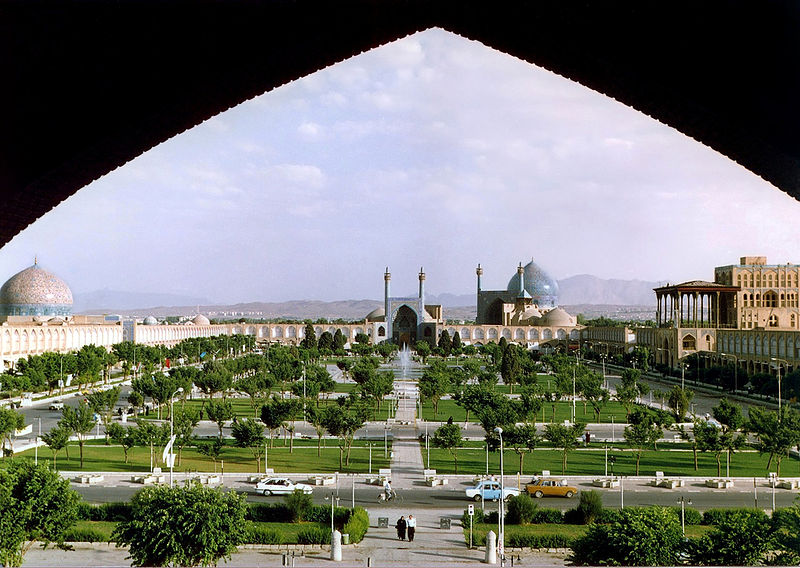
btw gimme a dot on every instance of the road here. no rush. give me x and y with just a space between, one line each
451 499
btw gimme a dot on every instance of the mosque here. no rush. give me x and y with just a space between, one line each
526 312
36 317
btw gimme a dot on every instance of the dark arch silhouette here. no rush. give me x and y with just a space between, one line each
90 84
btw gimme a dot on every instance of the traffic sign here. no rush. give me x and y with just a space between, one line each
470 509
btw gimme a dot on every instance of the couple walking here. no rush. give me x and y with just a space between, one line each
404 524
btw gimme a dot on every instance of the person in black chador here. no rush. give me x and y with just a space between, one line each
401 528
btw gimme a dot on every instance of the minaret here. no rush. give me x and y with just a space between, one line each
422 286
479 272
387 277
521 274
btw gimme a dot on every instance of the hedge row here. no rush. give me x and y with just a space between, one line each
606 516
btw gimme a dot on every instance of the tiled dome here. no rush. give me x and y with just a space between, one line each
35 292
540 285
150 320
378 314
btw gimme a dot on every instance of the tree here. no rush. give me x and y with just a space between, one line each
445 343
273 415
79 420
122 436
474 398
10 422
522 439
211 449
776 434
423 349
591 387
325 344
448 437
642 536
255 386
565 438
185 421
310 339
343 422
377 387
219 411
151 435
434 384
103 402
339 340
641 432
183 526
56 439
37 506
457 345
510 367
679 400
249 433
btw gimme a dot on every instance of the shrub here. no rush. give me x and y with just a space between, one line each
115 512
259 534
299 505
357 525
85 511
322 514
690 516
744 537
86 534
268 513
608 516
718 516
521 510
552 516
589 507
642 536
314 535
539 541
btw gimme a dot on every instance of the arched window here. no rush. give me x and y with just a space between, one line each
793 320
773 321
689 343
427 332
381 331
770 299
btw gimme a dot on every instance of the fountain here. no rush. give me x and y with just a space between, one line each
405 360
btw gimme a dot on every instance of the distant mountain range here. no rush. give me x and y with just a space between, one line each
584 293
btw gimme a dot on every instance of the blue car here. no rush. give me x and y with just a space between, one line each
489 490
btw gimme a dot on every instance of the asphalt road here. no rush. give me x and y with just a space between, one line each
452 497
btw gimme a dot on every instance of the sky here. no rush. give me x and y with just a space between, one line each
433 151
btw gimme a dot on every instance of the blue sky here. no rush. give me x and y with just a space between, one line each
432 151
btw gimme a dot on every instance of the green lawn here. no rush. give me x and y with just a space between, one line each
563 412
304 459
591 462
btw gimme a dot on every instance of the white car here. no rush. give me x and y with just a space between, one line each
281 486
56 405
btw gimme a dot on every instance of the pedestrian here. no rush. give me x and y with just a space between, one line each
401 528
411 524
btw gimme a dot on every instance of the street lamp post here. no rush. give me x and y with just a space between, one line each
171 455
779 361
501 520
683 513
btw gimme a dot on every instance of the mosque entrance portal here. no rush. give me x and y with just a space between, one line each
404 327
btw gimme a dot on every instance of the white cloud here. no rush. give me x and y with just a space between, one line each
310 131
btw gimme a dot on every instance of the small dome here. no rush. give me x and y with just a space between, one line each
150 320
559 317
35 292
378 314
200 319
530 315
540 285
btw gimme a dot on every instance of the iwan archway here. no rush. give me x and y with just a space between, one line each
93 84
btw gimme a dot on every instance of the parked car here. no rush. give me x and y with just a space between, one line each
544 487
281 486
56 405
490 490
